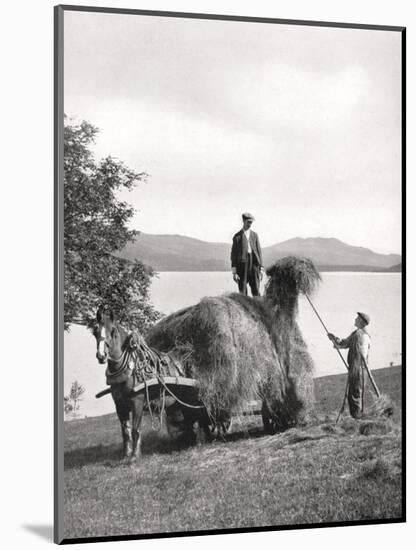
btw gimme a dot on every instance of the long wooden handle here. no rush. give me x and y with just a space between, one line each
370 376
327 331
344 401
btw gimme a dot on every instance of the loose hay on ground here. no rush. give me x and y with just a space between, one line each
383 406
375 427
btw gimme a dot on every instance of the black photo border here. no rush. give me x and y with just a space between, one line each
59 11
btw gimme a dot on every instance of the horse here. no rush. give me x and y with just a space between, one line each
115 346
131 361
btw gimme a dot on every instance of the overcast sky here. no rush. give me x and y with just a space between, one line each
298 125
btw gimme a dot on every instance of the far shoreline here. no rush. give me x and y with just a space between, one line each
329 269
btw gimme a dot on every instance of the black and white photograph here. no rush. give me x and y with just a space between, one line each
230 274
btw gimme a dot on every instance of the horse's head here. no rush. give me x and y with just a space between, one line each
109 336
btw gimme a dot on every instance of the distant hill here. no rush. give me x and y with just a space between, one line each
330 252
180 253
397 268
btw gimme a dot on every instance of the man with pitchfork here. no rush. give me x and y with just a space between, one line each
358 344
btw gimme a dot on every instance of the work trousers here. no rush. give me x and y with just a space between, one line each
356 391
249 272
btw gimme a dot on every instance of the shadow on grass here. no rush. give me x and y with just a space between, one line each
153 443
112 455
159 443
98 454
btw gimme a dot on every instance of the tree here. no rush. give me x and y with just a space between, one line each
76 391
67 405
95 231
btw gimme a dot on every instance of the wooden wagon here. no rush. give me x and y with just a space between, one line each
179 395
181 392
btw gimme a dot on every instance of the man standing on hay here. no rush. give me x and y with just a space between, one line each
358 344
246 258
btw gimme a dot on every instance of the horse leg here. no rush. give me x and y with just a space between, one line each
137 408
123 414
127 438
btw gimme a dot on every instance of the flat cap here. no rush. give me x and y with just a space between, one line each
364 317
248 216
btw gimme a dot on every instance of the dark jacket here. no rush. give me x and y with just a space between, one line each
239 248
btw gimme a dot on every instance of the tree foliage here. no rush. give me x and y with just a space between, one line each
74 397
68 407
75 394
95 231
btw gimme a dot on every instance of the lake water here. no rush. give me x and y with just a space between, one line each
337 300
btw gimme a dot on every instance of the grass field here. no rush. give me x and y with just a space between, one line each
322 473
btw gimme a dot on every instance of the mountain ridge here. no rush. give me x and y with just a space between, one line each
182 253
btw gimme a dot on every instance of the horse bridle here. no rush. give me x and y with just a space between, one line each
118 364
101 339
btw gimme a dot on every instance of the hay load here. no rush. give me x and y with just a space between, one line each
242 349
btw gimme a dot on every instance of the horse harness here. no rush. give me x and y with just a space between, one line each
143 363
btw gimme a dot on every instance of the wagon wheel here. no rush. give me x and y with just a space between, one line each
175 422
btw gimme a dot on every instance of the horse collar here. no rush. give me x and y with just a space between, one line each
122 365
